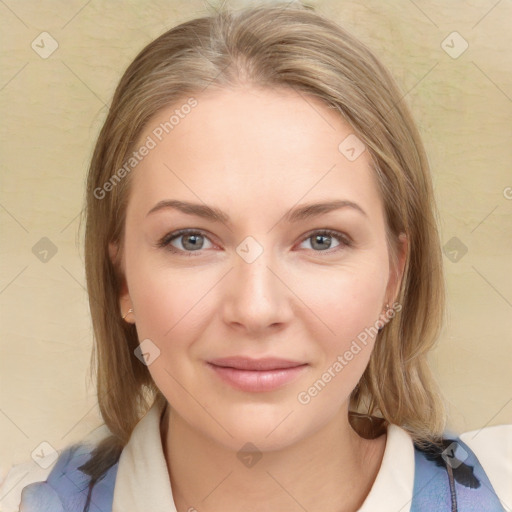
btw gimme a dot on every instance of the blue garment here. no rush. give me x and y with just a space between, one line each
445 480
66 488
452 479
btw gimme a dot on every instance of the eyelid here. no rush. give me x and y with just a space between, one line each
165 241
343 237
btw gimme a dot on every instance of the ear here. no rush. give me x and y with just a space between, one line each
396 270
125 303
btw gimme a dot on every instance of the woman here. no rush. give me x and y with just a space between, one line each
265 283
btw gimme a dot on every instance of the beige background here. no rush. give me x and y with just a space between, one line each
52 109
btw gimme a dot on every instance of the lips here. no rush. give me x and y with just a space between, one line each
244 363
257 375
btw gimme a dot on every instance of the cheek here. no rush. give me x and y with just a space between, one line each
348 303
345 300
168 303
170 311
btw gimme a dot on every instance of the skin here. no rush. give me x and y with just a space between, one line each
256 154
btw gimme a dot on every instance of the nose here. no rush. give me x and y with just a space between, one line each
255 295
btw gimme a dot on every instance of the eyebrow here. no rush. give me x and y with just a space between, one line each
214 214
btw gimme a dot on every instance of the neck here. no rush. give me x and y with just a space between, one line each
331 470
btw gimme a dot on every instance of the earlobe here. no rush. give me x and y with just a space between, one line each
396 272
113 250
397 268
402 255
126 314
125 302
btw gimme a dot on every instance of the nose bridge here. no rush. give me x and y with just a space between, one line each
256 296
252 268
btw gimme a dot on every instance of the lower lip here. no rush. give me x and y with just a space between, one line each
258 380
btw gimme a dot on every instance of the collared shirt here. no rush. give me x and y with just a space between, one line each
142 482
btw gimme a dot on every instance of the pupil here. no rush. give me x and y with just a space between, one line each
318 238
193 240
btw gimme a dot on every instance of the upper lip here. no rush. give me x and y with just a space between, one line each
245 363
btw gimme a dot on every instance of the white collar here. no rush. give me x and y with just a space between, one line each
392 489
143 482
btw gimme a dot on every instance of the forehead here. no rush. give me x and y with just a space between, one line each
251 147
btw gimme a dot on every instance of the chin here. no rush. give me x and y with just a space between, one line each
268 427
247 435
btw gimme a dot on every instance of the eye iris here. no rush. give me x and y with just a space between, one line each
196 243
318 238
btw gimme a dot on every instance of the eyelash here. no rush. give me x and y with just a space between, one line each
165 242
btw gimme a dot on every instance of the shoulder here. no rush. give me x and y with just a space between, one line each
493 448
63 482
67 488
61 487
473 469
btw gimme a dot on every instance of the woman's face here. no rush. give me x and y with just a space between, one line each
260 278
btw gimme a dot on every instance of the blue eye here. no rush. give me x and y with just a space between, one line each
322 240
192 241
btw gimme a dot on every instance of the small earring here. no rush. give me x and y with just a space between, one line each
127 313
387 309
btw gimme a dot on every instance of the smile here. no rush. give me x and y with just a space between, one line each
257 380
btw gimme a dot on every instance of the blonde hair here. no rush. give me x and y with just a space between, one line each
273 46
